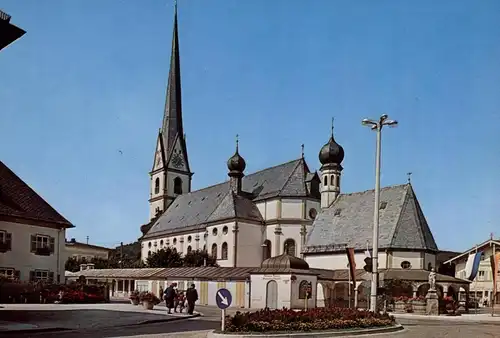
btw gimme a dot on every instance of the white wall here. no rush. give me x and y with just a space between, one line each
339 261
21 258
249 245
259 289
415 259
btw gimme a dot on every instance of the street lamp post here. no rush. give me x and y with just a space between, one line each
8 32
376 125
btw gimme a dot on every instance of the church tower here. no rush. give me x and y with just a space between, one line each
331 156
170 175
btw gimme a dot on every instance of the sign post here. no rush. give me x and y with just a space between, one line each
223 298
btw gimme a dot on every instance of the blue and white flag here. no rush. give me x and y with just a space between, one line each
472 265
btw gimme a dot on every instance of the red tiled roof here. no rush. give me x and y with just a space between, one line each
18 200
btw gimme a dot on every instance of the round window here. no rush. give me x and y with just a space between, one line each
313 213
214 232
189 239
405 265
175 241
225 230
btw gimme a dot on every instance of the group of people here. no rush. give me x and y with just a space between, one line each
176 299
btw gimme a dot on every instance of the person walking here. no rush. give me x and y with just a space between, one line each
192 297
169 297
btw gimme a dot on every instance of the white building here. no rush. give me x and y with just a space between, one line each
32 233
80 250
481 287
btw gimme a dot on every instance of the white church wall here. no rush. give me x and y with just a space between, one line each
259 290
337 261
291 231
429 258
218 235
398 257
292 208
170 182
310 204
268 209
249 252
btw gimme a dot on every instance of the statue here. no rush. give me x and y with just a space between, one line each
432 280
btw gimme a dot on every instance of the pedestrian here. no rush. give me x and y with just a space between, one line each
176 297
181 298
192 297
169 297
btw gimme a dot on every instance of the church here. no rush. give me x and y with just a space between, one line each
284 209
277 233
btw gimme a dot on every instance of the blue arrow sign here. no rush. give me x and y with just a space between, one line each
223 298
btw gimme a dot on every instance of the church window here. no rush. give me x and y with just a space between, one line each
266 248
205 247
429 266
175 241
214 232
325 183
161 242
149 245
405 265
157 185
303 286
332 180
337 181
225 230
189 249
189 239
174 250
289 247
214 251
177 186
224 251
149 253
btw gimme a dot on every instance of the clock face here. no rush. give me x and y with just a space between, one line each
177 161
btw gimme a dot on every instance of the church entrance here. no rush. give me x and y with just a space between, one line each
272 294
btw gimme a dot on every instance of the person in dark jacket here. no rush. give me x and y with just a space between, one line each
191 297
169 297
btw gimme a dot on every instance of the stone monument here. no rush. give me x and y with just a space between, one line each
432 297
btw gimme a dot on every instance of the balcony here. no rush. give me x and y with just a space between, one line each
43 251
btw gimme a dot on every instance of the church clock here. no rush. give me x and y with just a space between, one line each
177 161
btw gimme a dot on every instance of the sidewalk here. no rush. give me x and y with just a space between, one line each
479 318
60 317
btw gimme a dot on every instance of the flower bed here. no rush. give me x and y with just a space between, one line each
315 319
148 300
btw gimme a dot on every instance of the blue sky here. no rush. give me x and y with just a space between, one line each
89 79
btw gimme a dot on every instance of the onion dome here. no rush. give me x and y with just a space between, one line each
236 164
332 152
285 262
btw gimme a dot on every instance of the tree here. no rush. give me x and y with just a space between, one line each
165 258
198 258
73 263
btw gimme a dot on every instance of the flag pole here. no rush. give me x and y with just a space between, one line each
349 273
476 303
493 294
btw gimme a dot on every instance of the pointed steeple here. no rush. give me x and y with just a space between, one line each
172 118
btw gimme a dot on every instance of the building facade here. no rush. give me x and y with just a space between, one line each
80 250
32 233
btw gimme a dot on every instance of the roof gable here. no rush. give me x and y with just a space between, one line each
349 222
193 210
235 206
17 199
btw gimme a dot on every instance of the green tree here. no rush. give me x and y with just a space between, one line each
165 258
73 263
197 258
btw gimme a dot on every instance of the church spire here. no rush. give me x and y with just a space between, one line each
172 119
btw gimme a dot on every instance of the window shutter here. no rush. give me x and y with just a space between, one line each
8 240
52 241
33 243
32 276
17 274
51 276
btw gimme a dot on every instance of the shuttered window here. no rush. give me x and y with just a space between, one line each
5 241
41 275
10 273
42 244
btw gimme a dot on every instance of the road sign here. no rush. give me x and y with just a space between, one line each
223 298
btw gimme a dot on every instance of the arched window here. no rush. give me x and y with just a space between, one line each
303 286
224 251
157 185
205 247
429 266
174 250
149 253
325 183
289 247
177 186
332 180
189 249
337 180
214 251
266 249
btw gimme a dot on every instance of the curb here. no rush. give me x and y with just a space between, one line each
449 319
166 320
324 334
35 330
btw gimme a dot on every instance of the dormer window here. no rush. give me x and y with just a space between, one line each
337 212
383 205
